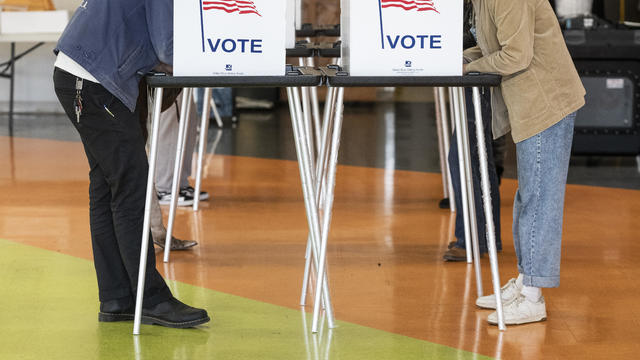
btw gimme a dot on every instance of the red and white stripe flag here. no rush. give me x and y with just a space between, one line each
408 5
231 6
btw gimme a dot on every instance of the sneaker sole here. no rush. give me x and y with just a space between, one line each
521 322
109 317
149 320
180 203
487 307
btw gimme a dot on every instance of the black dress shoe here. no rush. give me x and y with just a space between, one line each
173 313
116 310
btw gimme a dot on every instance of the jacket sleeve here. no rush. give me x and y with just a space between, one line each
515 24
159 19
473 53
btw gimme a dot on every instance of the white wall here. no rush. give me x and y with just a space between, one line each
33 84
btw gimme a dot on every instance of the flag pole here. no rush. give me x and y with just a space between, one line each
381 28
202 25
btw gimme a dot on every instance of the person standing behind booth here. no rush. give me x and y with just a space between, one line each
168 137
537 100
100 54
457 249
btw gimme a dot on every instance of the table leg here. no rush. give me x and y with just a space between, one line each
441 152
12 86
151 191
321 170
455 97
328 206
214 108
486 197
447 135
202 145
185 109
308 192
473 220
307 116
315 107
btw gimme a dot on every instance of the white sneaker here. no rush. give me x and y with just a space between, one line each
509 292
521 311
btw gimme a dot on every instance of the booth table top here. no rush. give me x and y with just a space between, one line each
337 78
295 77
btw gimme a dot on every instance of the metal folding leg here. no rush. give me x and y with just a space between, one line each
177 169
486 197
146 227
442 104
473 220
455 107
321 170
441 151
307 114
214 108
202 145
328 206
315 106
306 176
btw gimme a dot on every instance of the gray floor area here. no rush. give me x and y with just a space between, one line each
384 135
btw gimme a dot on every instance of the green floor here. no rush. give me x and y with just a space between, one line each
49 311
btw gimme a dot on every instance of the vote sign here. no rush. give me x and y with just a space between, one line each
402 37
229 38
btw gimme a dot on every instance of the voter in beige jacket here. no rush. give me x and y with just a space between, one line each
537 101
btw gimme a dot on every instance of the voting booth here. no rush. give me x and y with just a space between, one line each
229 38
402 37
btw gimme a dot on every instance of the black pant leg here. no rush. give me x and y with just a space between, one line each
113 279
115 144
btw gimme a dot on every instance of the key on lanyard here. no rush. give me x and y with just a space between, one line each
77 103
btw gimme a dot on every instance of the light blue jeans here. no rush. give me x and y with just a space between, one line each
543 163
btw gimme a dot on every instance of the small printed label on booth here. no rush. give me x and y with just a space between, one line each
229 37
615 83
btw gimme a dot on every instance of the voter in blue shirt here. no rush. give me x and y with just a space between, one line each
101 54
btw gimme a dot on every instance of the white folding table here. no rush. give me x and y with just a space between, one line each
9 66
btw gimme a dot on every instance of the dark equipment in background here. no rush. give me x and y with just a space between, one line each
605 46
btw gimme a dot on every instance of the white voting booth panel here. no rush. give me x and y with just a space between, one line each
33 22
298 14
402 37
290 32
229 38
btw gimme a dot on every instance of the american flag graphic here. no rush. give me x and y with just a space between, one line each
407 5
231 6
419 5
228 6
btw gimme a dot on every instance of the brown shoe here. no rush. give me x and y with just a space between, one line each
452 244
177 244
455 254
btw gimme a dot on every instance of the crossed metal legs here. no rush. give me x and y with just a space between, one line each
318 193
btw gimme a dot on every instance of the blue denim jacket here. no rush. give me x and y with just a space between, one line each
115 40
